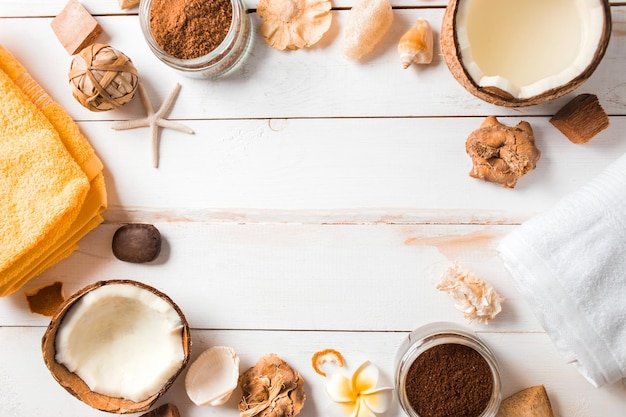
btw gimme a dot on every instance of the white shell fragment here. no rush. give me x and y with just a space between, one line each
213 376
477 299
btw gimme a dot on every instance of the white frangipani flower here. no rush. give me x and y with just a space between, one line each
358 396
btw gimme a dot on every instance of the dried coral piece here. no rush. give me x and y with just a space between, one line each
45 300
502 154
581 118
477 299
327 355
271 388
416 45
368 21
294 24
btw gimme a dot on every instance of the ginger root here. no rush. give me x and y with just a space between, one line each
502 154
271 388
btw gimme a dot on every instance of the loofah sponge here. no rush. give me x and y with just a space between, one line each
368 22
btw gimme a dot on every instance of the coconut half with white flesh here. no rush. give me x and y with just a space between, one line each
524 52
117 345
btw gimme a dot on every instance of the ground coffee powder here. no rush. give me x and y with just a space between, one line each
449 380
189 29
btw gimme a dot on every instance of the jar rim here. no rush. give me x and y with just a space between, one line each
145 9
441 333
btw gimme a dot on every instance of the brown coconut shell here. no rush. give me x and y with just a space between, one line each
76 386
452 57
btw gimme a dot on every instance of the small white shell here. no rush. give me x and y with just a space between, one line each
213 376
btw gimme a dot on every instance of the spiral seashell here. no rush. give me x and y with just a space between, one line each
416 45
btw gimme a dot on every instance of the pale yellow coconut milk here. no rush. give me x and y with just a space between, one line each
524 40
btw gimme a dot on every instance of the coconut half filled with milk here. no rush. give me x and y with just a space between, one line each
524 52
117 345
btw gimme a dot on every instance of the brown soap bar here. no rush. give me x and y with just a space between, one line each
166 410
75 27
581 119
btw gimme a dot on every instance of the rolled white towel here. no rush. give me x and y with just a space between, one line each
570 264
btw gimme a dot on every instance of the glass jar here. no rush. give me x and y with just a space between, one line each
426 337
216 63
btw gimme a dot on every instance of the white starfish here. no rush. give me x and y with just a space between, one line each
154 120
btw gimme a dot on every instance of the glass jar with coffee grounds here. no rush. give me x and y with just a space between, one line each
200 38
445 370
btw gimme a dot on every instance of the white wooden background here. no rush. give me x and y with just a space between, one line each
315 206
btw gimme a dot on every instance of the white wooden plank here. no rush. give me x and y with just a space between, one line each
525 359
107 7
412 168
318 82
305 277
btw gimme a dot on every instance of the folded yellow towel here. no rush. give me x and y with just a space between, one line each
51 184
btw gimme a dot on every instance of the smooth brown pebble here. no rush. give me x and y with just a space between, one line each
137 243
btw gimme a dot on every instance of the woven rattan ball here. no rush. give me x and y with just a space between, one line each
102 78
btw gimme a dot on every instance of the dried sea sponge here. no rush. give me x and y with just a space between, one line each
368 22
502 154
294 24
476 298
271 388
